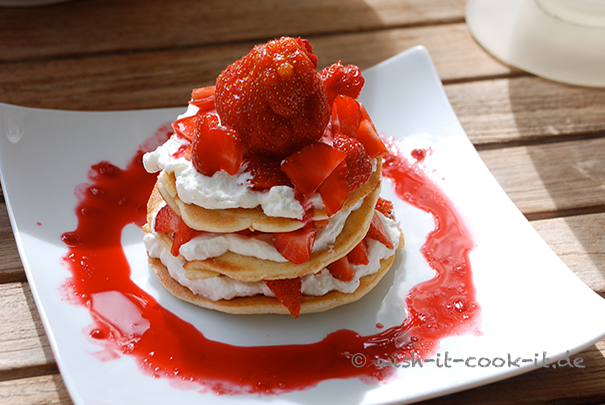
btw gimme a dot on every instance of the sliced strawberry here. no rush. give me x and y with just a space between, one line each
359 255
296 246
311 165
203 98
182 235
266 173
215 147
185 127
339 79
334 190
385 207
341 269
358 161
378 232
166 220
367 135
346 116
288 292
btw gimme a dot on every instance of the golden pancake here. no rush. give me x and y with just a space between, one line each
237 219
260 304
248 268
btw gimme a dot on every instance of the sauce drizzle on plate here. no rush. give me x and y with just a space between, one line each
129 321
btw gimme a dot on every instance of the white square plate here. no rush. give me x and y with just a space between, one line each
531 303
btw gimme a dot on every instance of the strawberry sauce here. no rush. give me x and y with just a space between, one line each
128 321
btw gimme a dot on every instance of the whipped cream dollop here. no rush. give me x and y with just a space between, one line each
222 287
222 190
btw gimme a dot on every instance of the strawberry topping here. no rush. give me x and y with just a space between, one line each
359 255
166 220
296 246
185 127
378 232
341 269
339 79
346 116
385 207
265 173
203 99
288 292
310 166
215 147
182 235
368 135
334 190
274 98
358 161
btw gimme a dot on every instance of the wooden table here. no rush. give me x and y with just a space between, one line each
543 141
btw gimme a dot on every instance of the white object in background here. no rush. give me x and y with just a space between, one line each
585 13
559 40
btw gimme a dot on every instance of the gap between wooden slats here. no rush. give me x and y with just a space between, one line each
105 27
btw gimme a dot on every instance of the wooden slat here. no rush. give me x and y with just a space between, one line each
165 78
90 27
11 268
526 109
47 390
24 347
580 242
550 180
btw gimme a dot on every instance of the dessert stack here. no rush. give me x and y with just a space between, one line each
267 198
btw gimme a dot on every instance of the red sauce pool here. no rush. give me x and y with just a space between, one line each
128 321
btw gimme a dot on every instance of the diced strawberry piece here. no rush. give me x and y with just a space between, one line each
378 232
296 246
166 220
358 161
334 190
182 235
215 147
346 116
339 79
266 173
203 98
385 207
360 254
185 127
311 165
367 135
341 269
288 292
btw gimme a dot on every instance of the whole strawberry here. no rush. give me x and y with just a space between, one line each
274 98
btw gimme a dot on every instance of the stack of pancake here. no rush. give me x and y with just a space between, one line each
248 269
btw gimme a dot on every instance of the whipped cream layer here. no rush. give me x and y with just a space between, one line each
208 245
221 191
222 287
